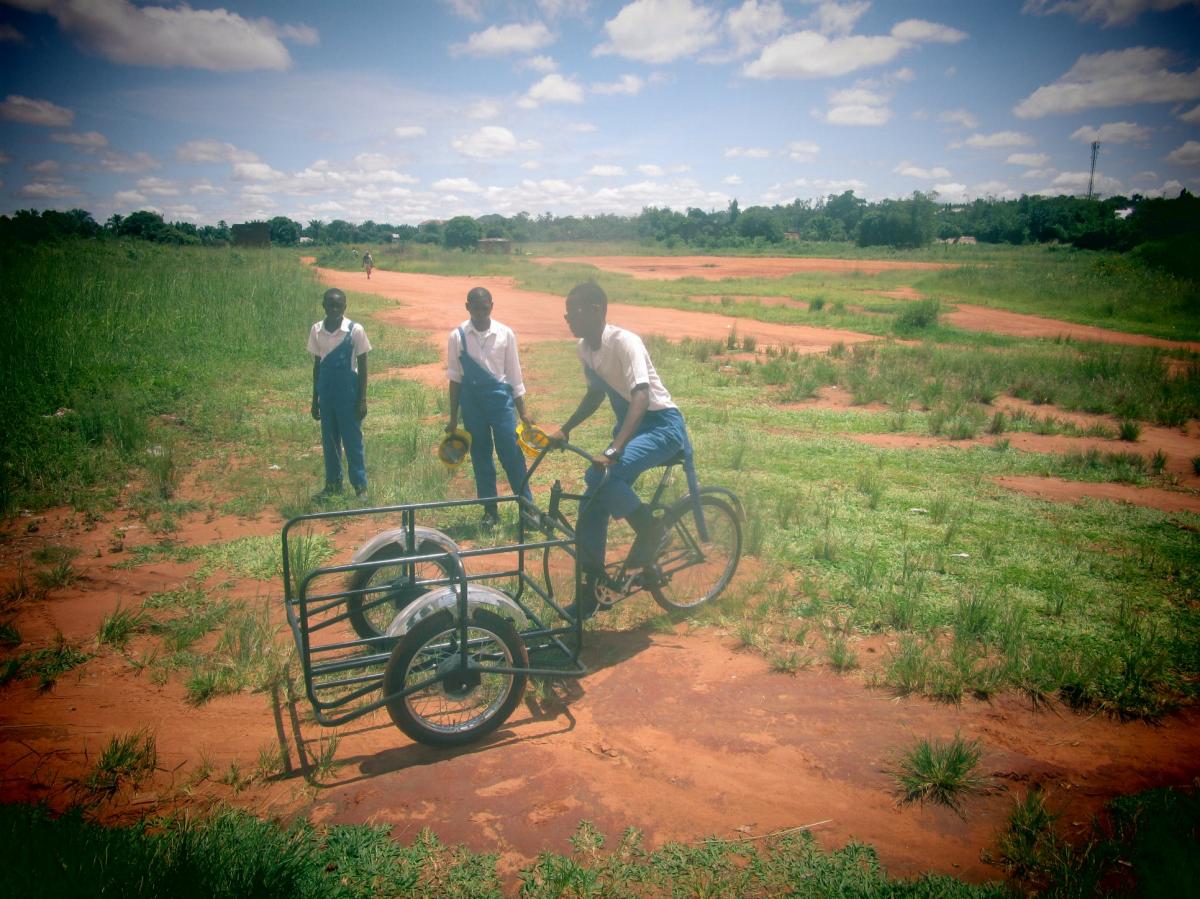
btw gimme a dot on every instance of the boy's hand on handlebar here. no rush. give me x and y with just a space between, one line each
557 437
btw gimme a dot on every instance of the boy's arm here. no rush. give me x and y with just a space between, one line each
590 403
316 405
455 389
362 386
519 402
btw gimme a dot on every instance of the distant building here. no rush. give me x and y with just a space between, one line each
791 235
500 245
965 239
252 234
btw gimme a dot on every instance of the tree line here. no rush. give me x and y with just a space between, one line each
1114 223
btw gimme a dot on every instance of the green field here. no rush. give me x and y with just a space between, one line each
138 365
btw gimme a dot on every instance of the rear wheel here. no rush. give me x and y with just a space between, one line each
456 705
692 572
371 613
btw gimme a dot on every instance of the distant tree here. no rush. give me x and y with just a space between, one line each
758 222
284 231
113 223
462 232
313 230
847 209
143 224
338 231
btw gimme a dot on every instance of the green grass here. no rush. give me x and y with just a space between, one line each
47 663
940 772
120 625
130 759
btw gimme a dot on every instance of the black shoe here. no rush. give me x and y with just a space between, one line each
585 604
489 522
330 491
646 545
360 491
533 520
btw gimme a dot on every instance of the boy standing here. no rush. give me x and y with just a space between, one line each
484 371
339 400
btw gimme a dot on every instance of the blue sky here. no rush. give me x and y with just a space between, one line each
404 111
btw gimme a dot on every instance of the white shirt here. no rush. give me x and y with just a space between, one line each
623 362
321 342
495 349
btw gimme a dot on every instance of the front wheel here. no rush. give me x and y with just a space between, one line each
692 572
456 705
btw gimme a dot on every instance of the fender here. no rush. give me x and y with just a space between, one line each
479 596
399 536
728 495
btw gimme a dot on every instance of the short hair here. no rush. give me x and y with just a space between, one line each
334 293
479 295
589 293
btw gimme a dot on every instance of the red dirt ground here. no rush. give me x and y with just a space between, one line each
678 734
715 268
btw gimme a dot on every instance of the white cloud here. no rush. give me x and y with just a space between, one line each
951 191
1170 189
45 167
858 114
531 165
462 185
182 212
997 140
916 31
16 108
204 187
653 171
406 131
581 128
87 142
501 40
1115 78
914 171
124 164
209 151
1145 176
255 171
1068 183
1192 116
483 109
857 106
807 54
958 117
1030 159
606 171
1038 173
50 190
732 179
746 153
626 84
1113 132
554 88
1187 154
491 141
1106 12
471 10
753 24
214 39
659 31
538 64
129 199
838 18
803 151
159 187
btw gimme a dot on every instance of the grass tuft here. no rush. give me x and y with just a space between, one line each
940 772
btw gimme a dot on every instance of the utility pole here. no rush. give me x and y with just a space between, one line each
1092 176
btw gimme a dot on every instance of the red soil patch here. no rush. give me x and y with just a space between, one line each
1018 324
435 303
1059 490
716 268
716 300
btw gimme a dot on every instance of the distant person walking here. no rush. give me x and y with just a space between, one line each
339 399
484 371
368 263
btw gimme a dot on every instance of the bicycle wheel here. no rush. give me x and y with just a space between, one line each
690 571
459 706
371 613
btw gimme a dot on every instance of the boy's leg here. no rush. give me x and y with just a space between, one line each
331 444
504 434
482 463
350 432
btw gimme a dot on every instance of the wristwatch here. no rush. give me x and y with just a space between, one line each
612 454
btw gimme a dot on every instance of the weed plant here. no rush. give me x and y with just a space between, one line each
940 772
120 625
125 759
47 664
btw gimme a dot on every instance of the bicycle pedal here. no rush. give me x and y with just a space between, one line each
607 597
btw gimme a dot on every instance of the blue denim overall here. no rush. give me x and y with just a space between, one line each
490 415
661 435
337 394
